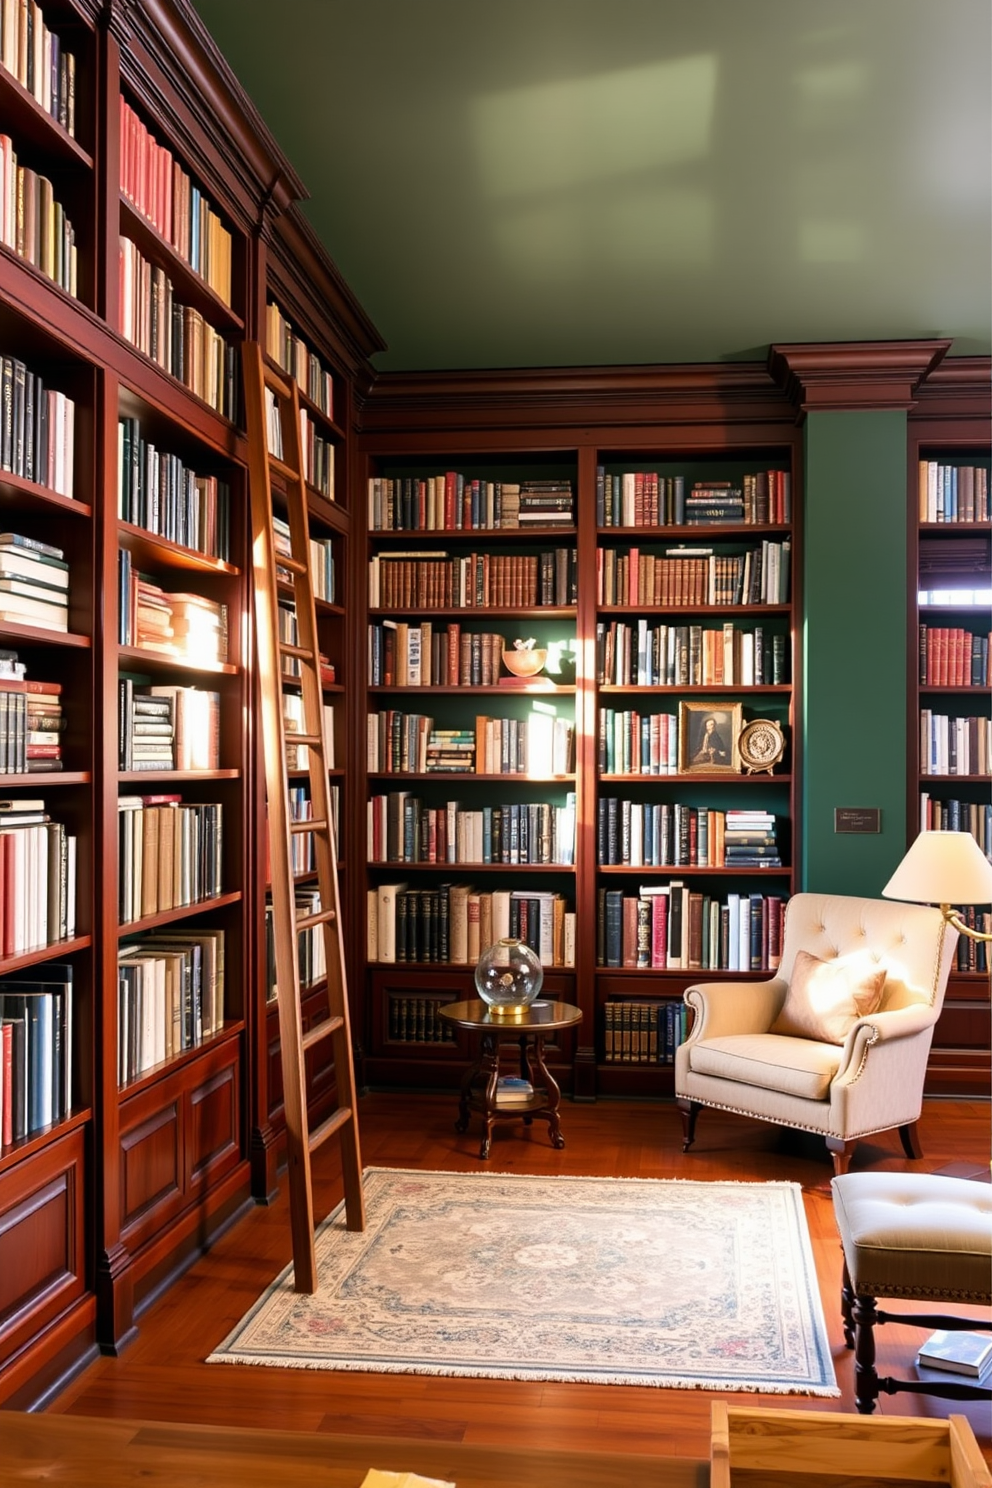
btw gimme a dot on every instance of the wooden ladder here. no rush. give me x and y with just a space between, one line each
287 925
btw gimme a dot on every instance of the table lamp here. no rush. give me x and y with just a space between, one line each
944 868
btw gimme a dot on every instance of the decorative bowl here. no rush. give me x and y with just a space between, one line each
525 663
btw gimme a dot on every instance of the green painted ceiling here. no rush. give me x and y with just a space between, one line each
552 182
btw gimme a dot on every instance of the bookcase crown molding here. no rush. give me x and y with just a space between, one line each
854 376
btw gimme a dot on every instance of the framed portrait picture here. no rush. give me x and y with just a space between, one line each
708 734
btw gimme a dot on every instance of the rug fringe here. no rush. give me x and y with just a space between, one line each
365 1366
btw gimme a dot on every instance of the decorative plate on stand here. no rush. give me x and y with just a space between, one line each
761 745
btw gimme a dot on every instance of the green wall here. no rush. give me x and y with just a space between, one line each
854 646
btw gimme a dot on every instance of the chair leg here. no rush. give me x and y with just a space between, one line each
840 1151
847 1307
909 1135
866 1389
688 1110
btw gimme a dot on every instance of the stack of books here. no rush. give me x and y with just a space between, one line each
147 730
712 503
749 840
43 727
451 751
545 503
199 627
512 1090
34 583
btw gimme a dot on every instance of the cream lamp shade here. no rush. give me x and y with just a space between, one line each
942 868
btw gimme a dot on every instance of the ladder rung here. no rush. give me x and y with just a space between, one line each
321 1032
300 652
334 1122
316 824
283 560
281 468
322 917
314 740
278 384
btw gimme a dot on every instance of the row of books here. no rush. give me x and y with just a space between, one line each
954 746
953 493
953 657
642 1032
37 429
170 854
646 498
36 1048
541 744
167 727
188 626
973 955
39 59
158 187
434 581
157 491
402 829
672 927
669 835
298 755
937 815
321 561
632 743
454 923
31 725
311 957
170 996
317 451
175 336
401 654
33 224
318 457
37 878
302 852
646 655
454 502
290 352
688 578
417 1020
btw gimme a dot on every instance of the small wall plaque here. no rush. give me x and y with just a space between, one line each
857 819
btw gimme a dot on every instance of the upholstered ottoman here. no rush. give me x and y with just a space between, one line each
916 1236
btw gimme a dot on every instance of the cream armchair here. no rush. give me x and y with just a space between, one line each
868 974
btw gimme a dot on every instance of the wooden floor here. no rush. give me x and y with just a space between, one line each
161 1375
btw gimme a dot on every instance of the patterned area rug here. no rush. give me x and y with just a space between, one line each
609 1281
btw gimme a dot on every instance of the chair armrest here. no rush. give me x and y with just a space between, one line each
880 1028
724 1008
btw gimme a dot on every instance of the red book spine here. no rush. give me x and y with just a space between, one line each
7 1084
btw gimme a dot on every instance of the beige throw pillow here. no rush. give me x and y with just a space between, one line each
826 998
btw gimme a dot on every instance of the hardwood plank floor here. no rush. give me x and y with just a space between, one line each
161 1375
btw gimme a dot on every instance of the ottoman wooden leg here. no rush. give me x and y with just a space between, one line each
846 1308
866 1389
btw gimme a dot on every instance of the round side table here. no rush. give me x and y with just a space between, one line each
526 1029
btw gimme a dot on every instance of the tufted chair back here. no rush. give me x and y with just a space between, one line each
906 938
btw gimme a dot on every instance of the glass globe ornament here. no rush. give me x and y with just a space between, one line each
508 976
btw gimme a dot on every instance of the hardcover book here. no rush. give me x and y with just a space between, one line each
958 1353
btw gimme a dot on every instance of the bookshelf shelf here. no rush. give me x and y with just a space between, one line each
148 547
34 634
181 912
144 659
22 1150
56 950
32 497
149 1078
25 117
477 691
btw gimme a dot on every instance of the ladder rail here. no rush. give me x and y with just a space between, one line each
282 828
